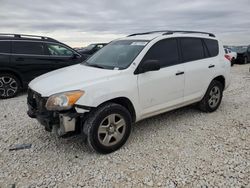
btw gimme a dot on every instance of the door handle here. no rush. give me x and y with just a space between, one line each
211 66
179 73
19 59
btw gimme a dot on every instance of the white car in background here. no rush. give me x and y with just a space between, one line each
230 55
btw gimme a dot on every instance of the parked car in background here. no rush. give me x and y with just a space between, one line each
230 55
243 55
91 49
130 79
24 57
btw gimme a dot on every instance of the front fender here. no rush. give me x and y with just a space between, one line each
122 86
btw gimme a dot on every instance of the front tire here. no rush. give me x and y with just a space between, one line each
9 86
107 128
212 99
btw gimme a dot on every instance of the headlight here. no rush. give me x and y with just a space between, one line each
63 101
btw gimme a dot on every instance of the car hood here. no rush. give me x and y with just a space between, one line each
70 78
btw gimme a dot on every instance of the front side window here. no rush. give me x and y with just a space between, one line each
58 50
192 49
165 51
117 54
29 48
5 46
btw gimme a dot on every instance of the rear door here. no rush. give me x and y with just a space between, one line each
199 66
5 49
61 56
28 57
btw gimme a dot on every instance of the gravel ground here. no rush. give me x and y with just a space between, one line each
182 148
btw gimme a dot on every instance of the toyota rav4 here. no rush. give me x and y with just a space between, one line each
130 79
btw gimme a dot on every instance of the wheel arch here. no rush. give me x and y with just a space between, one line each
220 79
125 102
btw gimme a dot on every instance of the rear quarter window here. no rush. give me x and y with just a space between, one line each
212 47
5 46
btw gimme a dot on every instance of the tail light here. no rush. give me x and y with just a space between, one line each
227 57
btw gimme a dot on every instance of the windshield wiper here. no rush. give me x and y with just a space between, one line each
94 65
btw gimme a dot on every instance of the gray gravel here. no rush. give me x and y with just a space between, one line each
182 148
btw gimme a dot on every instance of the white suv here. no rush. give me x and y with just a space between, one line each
128 80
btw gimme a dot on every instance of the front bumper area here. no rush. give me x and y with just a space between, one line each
62 122
46 119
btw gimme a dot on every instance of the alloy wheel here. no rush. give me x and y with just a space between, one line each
111 130
214 97
8 86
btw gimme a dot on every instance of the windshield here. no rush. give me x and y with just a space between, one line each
117 54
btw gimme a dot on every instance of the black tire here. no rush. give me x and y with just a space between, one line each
232 61
206 104
95 122
9 85
245 60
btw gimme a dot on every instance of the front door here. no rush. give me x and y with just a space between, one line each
60 56
162 89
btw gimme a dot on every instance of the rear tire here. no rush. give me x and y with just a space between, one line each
233 61
245 60
9 86
107 128
212 99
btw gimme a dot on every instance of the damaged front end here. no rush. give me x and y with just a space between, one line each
63 123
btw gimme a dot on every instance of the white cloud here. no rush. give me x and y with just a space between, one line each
81 22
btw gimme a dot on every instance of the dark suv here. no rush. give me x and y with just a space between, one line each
243 55
24 57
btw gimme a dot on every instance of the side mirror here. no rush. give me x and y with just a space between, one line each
76 56
149 65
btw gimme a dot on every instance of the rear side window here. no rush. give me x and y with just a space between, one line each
29 48
165 51
192 49
5 46
213 47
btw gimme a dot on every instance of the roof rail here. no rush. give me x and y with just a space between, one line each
169 32
180 31
26 36
146 33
